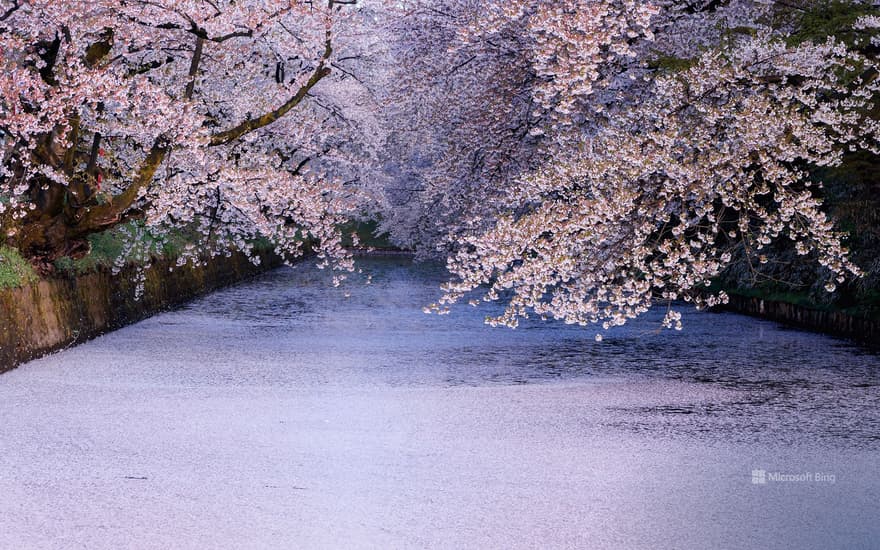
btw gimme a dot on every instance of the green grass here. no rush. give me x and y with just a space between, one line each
106 248
672 64
15 271
830 18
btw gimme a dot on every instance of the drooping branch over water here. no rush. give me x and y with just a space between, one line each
601 156
580 160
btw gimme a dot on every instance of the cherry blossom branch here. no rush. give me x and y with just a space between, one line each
266 119
12 9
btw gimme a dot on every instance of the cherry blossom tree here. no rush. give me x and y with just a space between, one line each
233 119
646 155
481 91
578 159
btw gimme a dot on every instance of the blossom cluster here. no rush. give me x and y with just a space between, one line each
650 145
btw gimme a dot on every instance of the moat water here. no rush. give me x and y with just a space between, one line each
283 413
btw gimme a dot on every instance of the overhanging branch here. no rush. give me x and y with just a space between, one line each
264 120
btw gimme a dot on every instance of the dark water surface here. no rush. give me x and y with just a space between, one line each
284 414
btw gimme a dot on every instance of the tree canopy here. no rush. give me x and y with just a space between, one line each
579 160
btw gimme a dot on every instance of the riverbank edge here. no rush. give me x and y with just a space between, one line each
836 323
53 314
863 330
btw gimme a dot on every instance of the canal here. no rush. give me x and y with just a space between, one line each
283 413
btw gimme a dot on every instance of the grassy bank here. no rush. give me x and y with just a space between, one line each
132 244
15 271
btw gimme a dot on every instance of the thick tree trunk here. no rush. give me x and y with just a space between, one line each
50 237
66 215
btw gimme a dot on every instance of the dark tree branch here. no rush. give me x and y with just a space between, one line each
252 124
194 68
12 9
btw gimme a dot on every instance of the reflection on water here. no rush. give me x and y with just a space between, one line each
764 381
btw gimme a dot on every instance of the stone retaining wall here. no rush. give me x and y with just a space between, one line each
55 313
832 322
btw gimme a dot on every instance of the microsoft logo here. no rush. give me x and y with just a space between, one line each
763 477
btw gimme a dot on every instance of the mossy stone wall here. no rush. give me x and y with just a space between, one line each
51 314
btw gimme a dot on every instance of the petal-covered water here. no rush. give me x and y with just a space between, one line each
283 413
